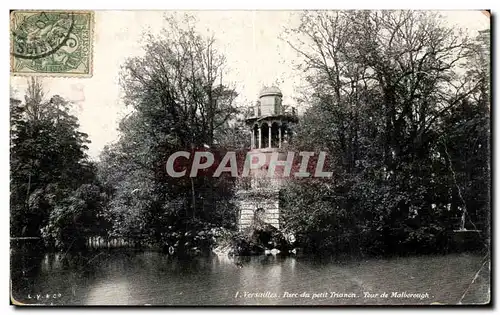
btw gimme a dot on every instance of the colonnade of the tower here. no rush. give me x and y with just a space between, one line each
268 134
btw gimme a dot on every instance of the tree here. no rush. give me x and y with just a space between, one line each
179 102
383 85
48 159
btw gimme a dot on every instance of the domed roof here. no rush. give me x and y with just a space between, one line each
272 90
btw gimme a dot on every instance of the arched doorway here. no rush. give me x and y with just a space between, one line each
259 215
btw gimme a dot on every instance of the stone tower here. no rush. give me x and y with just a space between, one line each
270 124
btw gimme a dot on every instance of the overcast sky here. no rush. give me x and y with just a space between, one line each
249 40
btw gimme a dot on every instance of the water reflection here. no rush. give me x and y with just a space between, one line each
138 278
116 290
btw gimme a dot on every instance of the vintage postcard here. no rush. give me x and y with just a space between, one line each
221 158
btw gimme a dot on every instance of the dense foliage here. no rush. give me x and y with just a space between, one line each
179 103
405 127
53 185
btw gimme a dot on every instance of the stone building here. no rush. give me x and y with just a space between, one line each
271 125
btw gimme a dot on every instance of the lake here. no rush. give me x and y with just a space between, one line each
119 277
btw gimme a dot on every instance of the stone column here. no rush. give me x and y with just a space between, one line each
269 135
279 136
260 136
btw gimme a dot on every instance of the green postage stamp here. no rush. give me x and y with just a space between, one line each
51 43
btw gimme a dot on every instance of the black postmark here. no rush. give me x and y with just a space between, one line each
42 34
